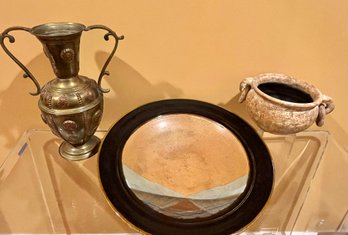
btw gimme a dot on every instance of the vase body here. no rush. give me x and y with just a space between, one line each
71 104
73 108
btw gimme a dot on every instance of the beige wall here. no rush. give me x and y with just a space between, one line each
192 49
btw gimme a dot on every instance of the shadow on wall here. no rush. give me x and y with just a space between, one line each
19 110
240 110
130 89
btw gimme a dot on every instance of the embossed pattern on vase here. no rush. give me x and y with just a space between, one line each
73 113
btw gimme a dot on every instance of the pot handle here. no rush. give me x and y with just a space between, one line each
326 107
244 88
27 73
106 37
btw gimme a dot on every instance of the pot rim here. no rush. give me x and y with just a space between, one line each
309 89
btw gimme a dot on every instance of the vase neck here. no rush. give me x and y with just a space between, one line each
61 44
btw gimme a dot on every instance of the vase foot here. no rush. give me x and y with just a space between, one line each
81 152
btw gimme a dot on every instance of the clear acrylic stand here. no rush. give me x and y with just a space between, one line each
40 192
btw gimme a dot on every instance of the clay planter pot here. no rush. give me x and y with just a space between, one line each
280 104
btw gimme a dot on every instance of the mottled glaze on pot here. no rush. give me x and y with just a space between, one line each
284 116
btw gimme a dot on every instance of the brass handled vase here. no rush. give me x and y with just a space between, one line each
71 104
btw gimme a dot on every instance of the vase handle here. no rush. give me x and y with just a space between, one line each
106 37
244 88
326 107
27 73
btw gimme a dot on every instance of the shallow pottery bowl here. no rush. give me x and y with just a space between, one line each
280 104
185 167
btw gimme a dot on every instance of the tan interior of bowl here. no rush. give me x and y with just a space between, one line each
185 153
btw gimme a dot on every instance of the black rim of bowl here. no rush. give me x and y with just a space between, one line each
140 216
